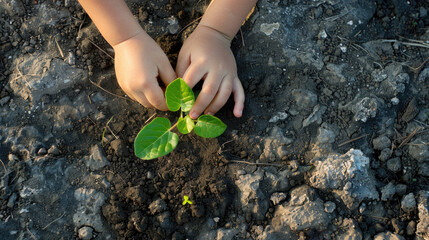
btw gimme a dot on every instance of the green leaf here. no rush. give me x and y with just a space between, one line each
155 140
179 95
185 125
209 126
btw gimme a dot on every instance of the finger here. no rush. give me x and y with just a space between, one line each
155 96
221 97
166 71
183 62
239 97
194 73
209 90
139 97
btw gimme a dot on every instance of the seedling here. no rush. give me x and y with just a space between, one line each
186 200
156 139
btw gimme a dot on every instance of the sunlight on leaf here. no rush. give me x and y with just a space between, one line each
209 126
179 95
155 140
185 125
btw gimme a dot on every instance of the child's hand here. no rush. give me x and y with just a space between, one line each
206 54
139 62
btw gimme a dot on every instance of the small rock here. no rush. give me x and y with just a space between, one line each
119 147
394 164
315 116
411 111
42 151
269 28
364 109
388 236
384 154
157 206
54 151
401 189
408 203
96 160
388 191
150 175
12 200
279 116
4 100
86 233
278 197
216 219
329 206
411 228
381 142
240 172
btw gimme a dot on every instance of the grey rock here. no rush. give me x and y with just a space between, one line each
85 233
391 87
165 223
334 74
401 189
48 77
304 99
226 234
384 154
157 206
424 75
394 164
173 25
12 200
348 176
408 203
419 150
119 148
96 160
278 197
315 116
304 211
349 229
424 169
388 236
381 142
275 145
88 211
4 100
252 198
388 191
276 181
329 207
278 117
364 109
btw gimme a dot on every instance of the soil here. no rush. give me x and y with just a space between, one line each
271 67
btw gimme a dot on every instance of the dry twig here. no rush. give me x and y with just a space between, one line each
59 48
99 48
150 118
54 221
352 140
251 163
116 95
409 137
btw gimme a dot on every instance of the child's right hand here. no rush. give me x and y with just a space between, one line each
139 63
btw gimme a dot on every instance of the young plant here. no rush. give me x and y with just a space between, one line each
156 138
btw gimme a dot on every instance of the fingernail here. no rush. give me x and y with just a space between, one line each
194 115
209 113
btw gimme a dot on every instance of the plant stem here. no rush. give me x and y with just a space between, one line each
173 126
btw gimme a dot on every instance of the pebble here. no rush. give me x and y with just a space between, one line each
394 164
278 197
85 233
384 155
381 142
388 191
411 228
329 207
408 203
42 151
401 189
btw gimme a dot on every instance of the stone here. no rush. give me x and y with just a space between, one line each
315 116
88 211
419 150
119 147
364 109
304 99
349 229
252 198
384 154
423 208
394 164
381 142
424 75
408 203
304 211
85 233
157 206
349 176
388 236
278 117
411 111
53 150
269 28
96 160
329 206
277 198
47 77
226 234
401 189
388 191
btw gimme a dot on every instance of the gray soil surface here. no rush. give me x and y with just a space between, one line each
333 144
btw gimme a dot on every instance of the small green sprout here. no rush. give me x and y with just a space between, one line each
186 200
156 139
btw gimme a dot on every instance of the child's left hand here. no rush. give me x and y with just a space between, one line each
206 54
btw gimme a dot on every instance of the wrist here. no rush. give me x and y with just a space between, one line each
214 32
138 36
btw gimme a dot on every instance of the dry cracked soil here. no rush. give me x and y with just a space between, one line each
333 143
